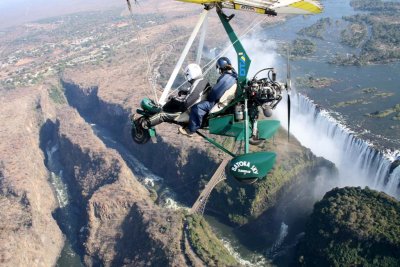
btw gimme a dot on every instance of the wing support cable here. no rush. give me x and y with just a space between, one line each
179 64
206 68
151 85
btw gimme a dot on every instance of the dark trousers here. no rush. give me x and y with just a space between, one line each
197 114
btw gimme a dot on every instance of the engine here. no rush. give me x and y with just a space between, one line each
265 92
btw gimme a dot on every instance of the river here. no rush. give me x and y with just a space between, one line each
350 80
67 215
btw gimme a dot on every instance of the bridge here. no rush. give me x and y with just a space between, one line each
219 175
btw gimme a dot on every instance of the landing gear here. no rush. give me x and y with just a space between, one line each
255 141
140 133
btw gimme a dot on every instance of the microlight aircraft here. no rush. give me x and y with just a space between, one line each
240 117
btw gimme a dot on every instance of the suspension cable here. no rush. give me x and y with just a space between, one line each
252 26
151 85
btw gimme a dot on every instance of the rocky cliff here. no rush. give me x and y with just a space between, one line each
29 236
122 224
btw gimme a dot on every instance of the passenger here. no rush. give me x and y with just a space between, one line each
227 81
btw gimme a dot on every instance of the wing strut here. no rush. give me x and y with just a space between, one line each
178 66
243 59
201 41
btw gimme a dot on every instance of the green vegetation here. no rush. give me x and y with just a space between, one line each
206 245
382 44
52 45
370 95
350 103
303 48
354 35
238 203
315 83
385 113
317 29
348 60
384 95
56 94
376 93
352 227
375 5
370 90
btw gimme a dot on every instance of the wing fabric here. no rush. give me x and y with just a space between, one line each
263 6
298 7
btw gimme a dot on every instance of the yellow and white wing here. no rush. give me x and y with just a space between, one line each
264 6
297 7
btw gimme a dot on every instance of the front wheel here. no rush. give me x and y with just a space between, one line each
140 135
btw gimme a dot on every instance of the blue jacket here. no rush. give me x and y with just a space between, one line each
225 81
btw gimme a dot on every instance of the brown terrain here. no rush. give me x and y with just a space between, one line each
51 98
27 228
118 208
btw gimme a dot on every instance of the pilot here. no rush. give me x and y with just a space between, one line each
187 97
198 85
227 82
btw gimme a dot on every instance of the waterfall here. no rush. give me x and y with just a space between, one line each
55 178
394 182
274 250
66 217
358 162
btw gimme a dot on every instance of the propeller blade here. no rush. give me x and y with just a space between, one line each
288 89
289 110
288 72
129 5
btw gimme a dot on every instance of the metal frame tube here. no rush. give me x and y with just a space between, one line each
246 127
213 142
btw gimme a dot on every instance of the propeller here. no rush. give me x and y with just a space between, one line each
288 89
130 6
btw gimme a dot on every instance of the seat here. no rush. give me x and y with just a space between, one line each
225 99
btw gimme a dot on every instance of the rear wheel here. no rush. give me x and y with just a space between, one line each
140 135
255 141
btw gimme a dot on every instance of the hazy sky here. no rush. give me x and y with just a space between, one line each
14 12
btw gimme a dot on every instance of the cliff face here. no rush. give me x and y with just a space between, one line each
117 221
29 236
286 195
121 222
174 157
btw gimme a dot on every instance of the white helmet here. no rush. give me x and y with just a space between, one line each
193 72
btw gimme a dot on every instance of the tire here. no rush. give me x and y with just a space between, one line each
255 142
139 134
